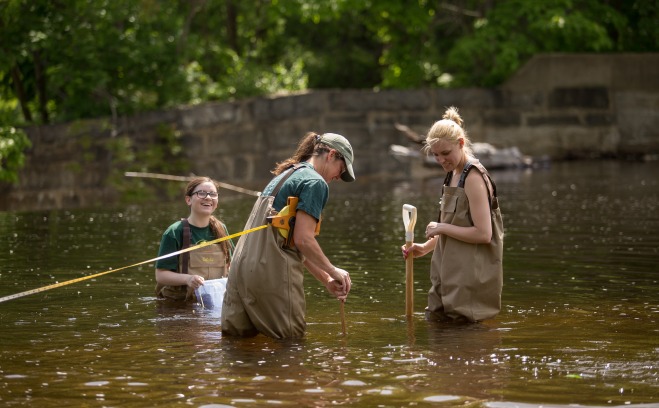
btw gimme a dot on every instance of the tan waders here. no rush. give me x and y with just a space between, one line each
208 261
265 292
466 278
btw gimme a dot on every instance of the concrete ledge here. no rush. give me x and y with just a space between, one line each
578 97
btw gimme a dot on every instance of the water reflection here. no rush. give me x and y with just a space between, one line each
579 324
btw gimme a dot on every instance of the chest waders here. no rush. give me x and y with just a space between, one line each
265 292
467 278
208 262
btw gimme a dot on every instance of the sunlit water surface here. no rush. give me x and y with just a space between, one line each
579 323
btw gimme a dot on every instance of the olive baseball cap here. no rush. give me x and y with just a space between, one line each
341 144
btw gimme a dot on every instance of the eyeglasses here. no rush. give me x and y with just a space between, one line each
204 194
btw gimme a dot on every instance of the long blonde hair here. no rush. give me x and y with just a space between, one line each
215 223
449 128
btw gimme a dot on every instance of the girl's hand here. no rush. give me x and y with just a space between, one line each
195 281
419 250
433 229
415 250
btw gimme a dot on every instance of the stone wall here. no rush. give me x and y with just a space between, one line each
559 105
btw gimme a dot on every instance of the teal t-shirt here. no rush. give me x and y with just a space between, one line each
172 241
306 184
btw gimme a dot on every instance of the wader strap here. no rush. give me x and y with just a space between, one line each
293 168
447 179
463 176
291 221
185 258
491 195
492 199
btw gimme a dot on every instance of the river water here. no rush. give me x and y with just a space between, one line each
579 324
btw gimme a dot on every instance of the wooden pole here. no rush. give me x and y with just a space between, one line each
343 317
409 220
188 178
409 283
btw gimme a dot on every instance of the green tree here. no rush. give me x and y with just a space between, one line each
83 58
515 30
13 143
641 33
67 60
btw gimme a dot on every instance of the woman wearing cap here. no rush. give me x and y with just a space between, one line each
466 268
265 292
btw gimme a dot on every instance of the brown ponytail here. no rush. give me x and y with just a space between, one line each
309 146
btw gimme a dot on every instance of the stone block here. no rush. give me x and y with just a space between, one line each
311 104
259 109
282 108
147 120
503 118
368 101
586 97
600 119
419 122
522 100
193 145
553 120
242 168
460 98
208 115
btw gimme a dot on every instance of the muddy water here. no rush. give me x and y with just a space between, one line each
579 323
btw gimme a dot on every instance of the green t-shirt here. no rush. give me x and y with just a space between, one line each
307 185
172 241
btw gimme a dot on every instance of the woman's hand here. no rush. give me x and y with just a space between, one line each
416 250
341 278
419 250
433 229
336 289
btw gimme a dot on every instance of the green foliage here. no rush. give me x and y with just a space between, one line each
163 155
76 59
82 59
641 34
13 142
517 29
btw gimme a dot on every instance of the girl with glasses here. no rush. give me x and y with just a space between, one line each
179 275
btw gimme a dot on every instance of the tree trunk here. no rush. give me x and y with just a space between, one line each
40 78
195 7
20 92
232 26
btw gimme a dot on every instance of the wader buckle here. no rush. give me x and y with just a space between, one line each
284 221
